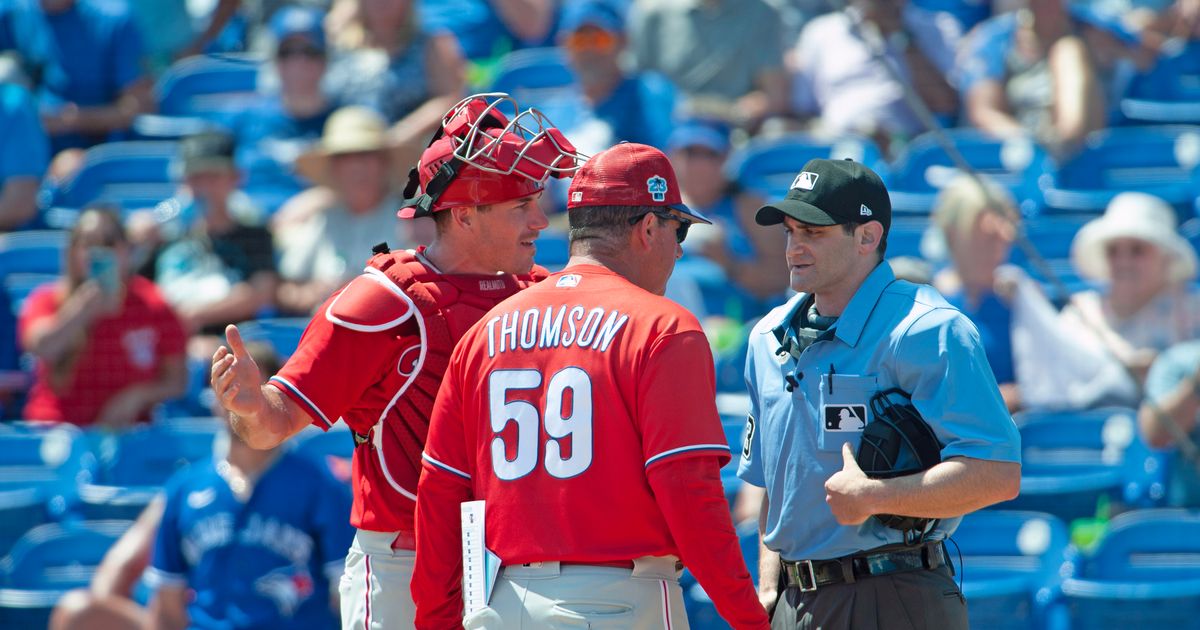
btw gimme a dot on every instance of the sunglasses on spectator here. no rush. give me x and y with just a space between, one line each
680 232
312 52
590 39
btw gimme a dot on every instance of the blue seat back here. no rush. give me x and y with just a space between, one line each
59 556
767 167
281 333
41 465
34 251
541 78
1071 459
925 167
148 455
208 84
1148 546
130 175
1174 77
1161 160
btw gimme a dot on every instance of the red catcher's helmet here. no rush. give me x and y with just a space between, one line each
487 151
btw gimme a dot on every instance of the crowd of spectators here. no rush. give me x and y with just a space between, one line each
280 201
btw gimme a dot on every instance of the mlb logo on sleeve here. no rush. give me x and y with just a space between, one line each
844 418
806 180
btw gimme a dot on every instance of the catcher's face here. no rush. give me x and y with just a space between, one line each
506 234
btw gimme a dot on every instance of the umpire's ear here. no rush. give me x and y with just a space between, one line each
868 236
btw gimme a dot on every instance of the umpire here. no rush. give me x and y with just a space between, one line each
815 365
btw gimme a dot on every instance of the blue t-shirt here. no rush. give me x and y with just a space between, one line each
639 110
993 317
23 29
892 334
25 151
480 32
266 563
100 48
1172 367
269 139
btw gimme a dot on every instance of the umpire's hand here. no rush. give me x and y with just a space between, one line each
849 492
235 377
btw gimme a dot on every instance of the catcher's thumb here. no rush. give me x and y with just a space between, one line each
234 338
848 460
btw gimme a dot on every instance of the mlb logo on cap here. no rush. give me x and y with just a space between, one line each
805 180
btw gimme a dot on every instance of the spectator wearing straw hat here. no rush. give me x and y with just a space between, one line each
352 212
1145 266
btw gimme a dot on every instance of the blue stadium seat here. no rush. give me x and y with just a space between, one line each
1160 160
1010 567
33 251
1145 573
40 465
552 250
18 286
48 561
768 166
130 175
1070 459
205 85
281 333
925 167
541 78
733 409
133 465
1167 93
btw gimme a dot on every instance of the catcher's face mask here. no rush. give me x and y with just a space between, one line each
487 151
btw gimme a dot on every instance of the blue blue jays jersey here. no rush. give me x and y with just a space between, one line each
265 563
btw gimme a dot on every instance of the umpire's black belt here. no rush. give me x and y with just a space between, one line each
809 575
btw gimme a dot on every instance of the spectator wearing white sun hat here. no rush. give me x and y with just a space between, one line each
1146 302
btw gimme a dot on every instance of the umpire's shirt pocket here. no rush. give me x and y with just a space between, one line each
842 412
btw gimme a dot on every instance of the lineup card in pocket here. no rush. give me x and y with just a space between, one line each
480 566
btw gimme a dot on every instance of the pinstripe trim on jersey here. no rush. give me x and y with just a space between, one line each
666 602
367 592
445 467
157 577
724 448
279 381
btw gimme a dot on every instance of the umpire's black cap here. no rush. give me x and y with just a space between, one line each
832 192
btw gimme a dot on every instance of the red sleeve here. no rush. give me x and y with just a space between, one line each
675 399
689 493
334 365
40 304
170 328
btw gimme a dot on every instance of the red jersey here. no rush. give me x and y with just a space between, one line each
558 402
121 350
373 357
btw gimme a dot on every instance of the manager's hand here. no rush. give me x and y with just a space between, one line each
235 377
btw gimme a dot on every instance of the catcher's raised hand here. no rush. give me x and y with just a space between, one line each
235 376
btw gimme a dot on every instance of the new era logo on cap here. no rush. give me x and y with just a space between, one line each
576 196
805 180
657 187
863 210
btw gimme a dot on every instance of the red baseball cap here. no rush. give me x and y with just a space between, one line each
628 174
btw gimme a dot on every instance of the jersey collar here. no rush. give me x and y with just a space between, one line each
853 319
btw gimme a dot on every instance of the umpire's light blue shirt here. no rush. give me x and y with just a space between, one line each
893 333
